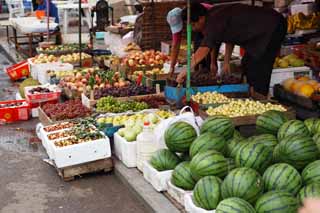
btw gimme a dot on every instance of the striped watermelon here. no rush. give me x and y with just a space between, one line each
292 127
316 139
311 124
237 135
277 202
207 141
181 176
234 205
164 160
233 149
298 150
254 155
244 183
207 192
265 139
311 190
220 125
276 154
179 136
269 122
282 177
231 164
311 173
231 144
208 163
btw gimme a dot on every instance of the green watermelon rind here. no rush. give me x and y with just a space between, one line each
269 122
181 176
311 190
164 160
220 125
292 127
234 205
311 173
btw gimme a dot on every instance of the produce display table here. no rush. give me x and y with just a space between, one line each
31 28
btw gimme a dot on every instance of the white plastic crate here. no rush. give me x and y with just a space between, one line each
159 180
279 75
79 153
177 193
125 151
43 76
192 208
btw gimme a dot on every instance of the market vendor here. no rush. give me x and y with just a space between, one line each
260 31
53 10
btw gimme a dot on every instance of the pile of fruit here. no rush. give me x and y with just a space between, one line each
239 108
52 49
288 61
44 58
110 104
205 77
210 98
39 90
302 86
300 21
154 71
270 172
59 126
150 58
131 90
154 101
67 110
12 105
73 58
132 47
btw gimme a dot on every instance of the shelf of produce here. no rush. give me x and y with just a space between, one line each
250 119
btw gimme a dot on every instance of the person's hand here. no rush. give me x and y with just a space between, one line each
226 69
310 205
213 69
182 77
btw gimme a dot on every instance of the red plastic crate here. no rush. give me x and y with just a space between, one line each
11 114
18 71
36 99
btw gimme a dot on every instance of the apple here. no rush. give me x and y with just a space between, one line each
131 63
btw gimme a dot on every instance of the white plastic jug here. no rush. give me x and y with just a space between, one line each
146 145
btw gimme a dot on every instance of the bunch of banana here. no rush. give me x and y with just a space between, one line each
303 22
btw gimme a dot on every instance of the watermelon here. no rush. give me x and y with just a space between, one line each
234 148
311 173
277 202
311 124
298 150
265 139
207 192
292 127
254 155
234 205
311 190
208 163
179 136
316 139
182 178
237 135
276 154
220 125
207 141
231 145
231 164
164 160
282 177
244 183
316 127
269 122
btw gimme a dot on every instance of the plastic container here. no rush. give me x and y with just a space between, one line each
279 75
192 208
125 151
43 76
18 71
159 180
52 96
12 114
146 145
177 193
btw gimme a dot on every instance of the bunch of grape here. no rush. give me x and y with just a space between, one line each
110 104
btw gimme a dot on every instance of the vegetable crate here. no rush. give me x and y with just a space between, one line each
12 114
18 71
36 99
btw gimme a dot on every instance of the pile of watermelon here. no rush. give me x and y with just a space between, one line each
270 172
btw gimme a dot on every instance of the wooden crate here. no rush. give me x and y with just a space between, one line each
250 119
71 172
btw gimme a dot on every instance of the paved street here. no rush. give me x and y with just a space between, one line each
29 185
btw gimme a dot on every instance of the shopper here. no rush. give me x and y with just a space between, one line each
310 205
260 31
53 10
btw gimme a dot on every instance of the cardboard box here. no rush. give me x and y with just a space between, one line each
307 8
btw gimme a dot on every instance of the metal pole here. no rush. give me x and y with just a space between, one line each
189 30
48 19
80 30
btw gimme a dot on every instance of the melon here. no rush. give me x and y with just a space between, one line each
182 178
234 205
164 160
292 127
269 122
311 190
311 173
220 125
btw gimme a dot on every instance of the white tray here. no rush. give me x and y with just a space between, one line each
79 153
159 180
192 208
125 151
177 193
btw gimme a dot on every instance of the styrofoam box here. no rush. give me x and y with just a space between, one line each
43 76
125 151
18 96
79 153
192 208
279 75
159 180
177 193
307 9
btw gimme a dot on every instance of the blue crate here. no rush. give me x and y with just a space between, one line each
174 94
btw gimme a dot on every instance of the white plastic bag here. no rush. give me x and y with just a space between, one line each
187 117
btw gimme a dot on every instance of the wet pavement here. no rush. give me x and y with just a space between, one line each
29 185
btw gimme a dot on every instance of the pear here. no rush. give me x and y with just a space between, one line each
283 63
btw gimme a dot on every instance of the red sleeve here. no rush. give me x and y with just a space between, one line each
176 38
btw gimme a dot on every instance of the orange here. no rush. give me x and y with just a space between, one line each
303 78
295 86
306 90
288 83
